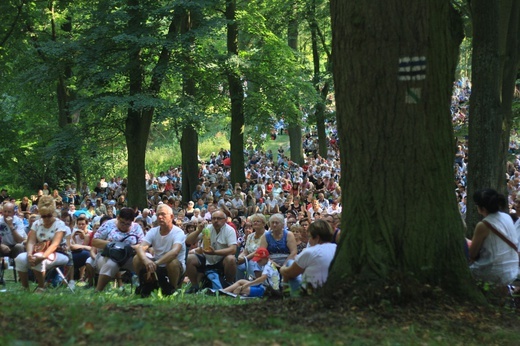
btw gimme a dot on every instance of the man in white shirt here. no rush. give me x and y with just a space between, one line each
168 261
12 232
219 256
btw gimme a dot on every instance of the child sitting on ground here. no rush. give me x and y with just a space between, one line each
257 287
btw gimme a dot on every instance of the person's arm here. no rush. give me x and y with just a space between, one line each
230 250
31 240
291 272
18 231
291 244
193 237
259 280
263 241
56 241
99 243
480 234
170 255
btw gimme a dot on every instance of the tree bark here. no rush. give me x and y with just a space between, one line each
494 71
190 136
139 119
190 168
322 87
394 65
236 95
294 128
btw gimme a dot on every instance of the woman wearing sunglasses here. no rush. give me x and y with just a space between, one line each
47 228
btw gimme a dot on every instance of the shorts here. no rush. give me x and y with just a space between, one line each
203 267
257 291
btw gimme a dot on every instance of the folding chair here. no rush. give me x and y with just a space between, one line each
2 269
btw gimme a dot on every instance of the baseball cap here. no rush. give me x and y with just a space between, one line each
260 253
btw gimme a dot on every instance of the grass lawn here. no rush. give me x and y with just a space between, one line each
60 317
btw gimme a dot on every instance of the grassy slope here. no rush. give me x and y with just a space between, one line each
115 318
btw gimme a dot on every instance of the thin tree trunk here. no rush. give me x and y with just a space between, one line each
190 136
236 94
294 129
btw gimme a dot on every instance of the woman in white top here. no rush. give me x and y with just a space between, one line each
493 259
47 228
258 223
310 269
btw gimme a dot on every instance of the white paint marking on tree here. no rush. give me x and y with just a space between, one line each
412 68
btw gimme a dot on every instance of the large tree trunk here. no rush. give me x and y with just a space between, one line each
394 65
236 94
294 128
494 71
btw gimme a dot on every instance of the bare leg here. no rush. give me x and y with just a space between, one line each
235 285
103 280
39 278
89 274
191 269
230 268
174 272
24 279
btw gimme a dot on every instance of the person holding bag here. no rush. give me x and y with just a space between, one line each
46 237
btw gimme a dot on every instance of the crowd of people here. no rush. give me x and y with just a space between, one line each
278 229
274 210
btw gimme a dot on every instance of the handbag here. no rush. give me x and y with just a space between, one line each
119 251
41 246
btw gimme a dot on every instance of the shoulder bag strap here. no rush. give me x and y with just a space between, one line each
501 236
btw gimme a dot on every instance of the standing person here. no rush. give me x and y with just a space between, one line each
121 229
169 244
47 228
219 256
280 243
493 250
12 232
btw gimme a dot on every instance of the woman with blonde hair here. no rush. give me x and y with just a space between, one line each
47 229
258 222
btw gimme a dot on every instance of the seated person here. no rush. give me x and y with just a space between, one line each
310 269
79 246
169 244
47 228
121 229
267 275
12 232
218 256
492 258
280 243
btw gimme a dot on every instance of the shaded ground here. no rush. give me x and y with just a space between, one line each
113 318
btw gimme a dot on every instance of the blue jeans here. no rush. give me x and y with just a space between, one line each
79 258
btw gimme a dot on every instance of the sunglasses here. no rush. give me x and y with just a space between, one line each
46 216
